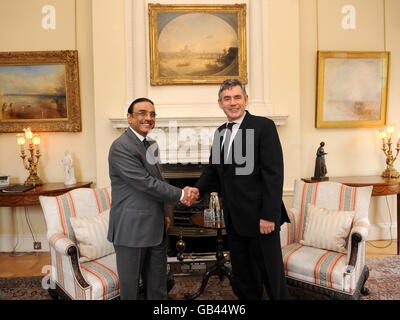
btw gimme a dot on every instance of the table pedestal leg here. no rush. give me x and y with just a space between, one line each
218 269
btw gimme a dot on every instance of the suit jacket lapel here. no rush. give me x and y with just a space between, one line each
157 154
154 170
242 131
246 121
221 151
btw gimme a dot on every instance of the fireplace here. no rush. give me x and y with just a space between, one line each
197 239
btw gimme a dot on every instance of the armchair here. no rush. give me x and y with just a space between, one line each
92 280
335 274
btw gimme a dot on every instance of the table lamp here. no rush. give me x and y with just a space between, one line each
31 162
386 136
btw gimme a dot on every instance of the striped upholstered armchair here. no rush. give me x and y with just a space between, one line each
323 247
74 276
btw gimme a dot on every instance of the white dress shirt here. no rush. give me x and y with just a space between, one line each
141 138
235 129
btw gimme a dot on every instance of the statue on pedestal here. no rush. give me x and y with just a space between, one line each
320 166
68 169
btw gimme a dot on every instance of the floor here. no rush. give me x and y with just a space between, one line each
381 248
34 264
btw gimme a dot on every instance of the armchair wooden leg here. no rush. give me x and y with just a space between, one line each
53 293
364 290
52 290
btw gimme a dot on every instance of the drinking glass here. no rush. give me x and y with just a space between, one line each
208 215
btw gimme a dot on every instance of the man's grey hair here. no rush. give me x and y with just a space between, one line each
230 83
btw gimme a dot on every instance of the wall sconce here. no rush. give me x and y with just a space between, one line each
386 136
31 162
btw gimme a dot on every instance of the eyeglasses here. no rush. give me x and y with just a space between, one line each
144 113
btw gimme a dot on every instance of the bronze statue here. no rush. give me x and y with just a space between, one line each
320 166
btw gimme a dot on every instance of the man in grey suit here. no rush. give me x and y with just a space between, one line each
139 217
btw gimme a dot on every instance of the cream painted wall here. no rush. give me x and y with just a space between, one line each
21 19
369 21
294 26
109 77
354 151
347 148
284 58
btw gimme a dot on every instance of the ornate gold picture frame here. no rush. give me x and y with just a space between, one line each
197 44
40 90
352 89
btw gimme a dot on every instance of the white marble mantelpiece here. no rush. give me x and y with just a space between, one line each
191 122
185 139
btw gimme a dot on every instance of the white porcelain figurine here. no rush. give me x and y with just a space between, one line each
68 169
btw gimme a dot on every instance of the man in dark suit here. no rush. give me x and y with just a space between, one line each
246 164
138 216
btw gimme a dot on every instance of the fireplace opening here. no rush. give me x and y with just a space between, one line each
197 239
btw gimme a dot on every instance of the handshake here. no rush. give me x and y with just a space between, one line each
190 195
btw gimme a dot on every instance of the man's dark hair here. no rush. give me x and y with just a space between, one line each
131 107
230 83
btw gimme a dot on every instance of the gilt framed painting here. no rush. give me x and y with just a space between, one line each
40 90
352 89
197 44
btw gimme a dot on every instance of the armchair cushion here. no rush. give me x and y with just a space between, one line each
91 235
317 266
329 195
95 279
327 229
336 274
102 275
79 202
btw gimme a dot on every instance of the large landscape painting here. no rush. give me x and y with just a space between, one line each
197 44
40 90
32 92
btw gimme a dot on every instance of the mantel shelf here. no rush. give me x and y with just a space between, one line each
192 122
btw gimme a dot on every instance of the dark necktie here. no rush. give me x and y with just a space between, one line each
146 143
228 135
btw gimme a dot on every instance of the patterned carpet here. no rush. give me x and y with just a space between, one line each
383 283
384 278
